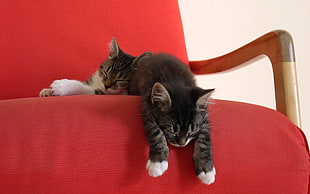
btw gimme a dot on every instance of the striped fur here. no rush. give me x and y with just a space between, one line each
174 110
112 77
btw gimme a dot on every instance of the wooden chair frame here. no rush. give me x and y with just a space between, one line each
278 47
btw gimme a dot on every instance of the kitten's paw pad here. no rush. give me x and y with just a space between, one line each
46 93
207 178
156 168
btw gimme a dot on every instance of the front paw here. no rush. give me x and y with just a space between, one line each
156 168
57 88
61 87
207 177
46 92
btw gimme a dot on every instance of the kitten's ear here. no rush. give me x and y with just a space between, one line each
140 59
160 97
203 98
114 48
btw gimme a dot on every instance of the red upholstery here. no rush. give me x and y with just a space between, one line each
96 144
47 40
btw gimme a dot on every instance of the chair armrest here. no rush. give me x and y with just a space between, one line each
278 47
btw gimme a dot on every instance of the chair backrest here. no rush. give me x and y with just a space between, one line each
41 41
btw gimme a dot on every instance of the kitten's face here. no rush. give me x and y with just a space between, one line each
118 69
180 117
179 132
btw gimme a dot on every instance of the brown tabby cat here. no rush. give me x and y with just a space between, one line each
174 110
111 78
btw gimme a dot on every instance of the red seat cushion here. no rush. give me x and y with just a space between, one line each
96 144
48 40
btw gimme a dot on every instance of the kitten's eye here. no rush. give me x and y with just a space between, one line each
121 83
171 133
168 128
194 129
120 75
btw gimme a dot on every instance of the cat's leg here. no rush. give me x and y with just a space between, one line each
202 157
66 87
157 163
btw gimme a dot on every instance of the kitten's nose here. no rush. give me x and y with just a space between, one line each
182 141
108 84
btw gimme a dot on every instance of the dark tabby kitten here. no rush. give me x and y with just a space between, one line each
174 110
111 78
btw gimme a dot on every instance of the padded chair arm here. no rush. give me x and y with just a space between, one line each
278 47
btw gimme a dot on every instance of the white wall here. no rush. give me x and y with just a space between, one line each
215 27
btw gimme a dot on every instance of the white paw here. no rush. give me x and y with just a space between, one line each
63 87
66 87
207 178
46 92
156 168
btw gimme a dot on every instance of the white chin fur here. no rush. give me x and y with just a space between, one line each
178 145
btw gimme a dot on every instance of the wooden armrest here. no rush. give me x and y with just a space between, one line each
278 47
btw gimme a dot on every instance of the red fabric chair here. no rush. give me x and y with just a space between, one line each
96 144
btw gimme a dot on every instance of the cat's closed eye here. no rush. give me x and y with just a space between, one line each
194 129
171 133
167 127
120 75
121 83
